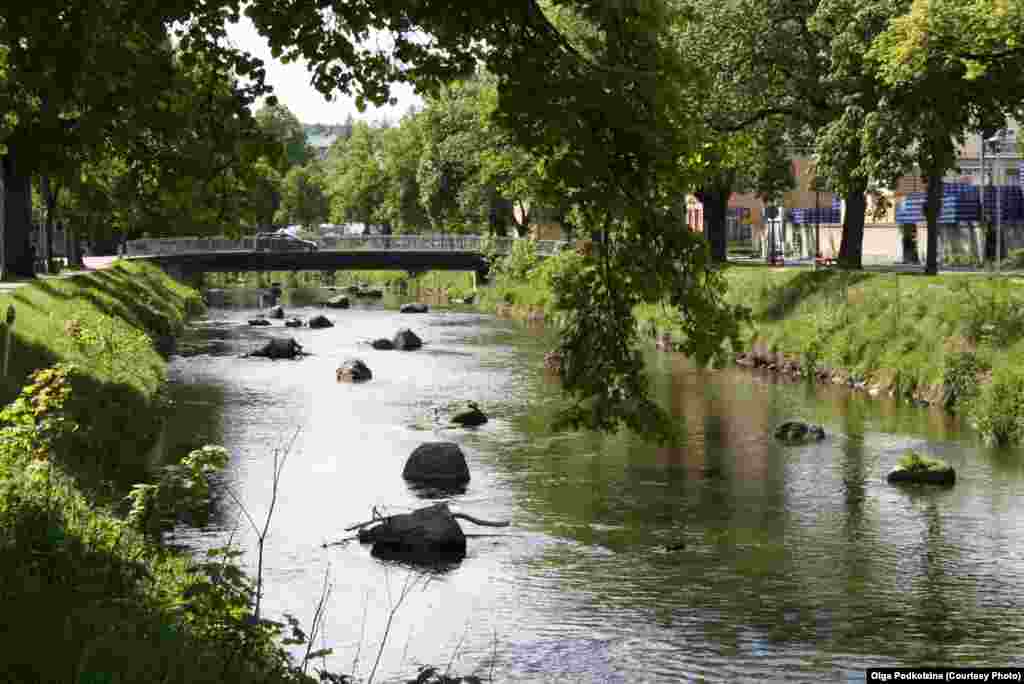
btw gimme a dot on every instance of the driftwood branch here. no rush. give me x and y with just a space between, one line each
478 521
377 518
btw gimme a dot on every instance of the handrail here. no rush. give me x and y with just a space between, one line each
420 243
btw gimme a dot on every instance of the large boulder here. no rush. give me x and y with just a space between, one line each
293 323
382 343
799 432
353 370
339 302
320 321
413 307
258 321
279 348
437 463
276 312
426 530
406 340
914 467
469 415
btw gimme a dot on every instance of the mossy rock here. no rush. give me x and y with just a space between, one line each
469 415
339 302
916 468
799 432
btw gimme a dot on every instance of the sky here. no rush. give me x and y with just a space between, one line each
292 86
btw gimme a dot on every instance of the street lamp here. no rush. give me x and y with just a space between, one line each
996 142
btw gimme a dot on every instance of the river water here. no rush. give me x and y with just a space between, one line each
731 558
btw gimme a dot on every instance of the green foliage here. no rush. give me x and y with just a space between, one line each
183 489
281 125
916 462
997 317
520 261
303 197
961 378
36 423
118 350
998 410
356 181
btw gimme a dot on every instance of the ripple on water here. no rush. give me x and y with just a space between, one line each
797 563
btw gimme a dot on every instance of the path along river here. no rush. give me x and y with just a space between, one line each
798 564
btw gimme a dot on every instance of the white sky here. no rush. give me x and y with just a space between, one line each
291 83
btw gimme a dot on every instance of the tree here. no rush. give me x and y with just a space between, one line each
278 122
185 162
303 197
80 74
355 178
401 148
948 67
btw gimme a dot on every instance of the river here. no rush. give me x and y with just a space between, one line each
731 558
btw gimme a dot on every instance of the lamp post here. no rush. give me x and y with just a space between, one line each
817 224
996 142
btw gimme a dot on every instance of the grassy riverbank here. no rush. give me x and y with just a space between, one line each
952 339
90 595
955 340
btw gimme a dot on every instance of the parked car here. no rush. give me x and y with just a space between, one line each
283 242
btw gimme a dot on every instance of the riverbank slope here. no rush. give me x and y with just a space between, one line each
954 340
89 592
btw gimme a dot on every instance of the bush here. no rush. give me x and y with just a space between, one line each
998 411
960 378
518 264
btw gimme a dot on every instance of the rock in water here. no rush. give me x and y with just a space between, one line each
430 530
406 340
276 312
799 432
437 463
469 416
914 467
382 343
279 348
293 323
413 308
354 370
258 321
339 302
320 321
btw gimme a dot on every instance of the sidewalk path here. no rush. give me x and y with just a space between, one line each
91 264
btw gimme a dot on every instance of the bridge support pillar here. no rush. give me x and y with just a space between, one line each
185 275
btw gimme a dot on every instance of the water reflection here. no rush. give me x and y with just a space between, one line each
727 557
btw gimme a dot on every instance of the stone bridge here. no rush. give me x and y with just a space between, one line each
183 258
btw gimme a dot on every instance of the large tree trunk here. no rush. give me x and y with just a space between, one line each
932 208
851 246
715 199
17 217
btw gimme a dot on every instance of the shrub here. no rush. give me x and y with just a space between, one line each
998 411
960 378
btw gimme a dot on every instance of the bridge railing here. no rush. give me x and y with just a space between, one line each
441 243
